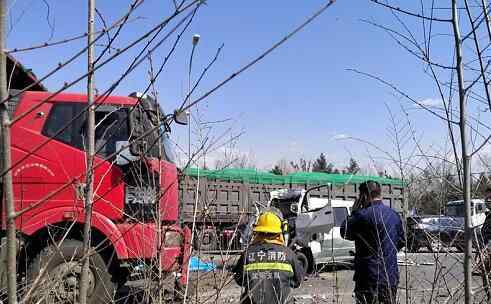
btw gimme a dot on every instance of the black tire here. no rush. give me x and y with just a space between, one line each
65 263
206 240
302 258
413 246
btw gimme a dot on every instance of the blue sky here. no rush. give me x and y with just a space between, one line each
290 105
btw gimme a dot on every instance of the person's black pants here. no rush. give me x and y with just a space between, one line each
375 294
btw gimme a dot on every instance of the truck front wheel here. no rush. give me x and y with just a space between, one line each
62 269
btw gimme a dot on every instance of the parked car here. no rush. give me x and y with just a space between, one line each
434 232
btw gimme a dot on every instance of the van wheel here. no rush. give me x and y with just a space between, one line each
60 283
302 258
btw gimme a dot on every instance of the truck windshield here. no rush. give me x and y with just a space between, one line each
150 132
167 146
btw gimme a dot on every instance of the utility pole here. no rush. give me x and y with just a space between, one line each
89 184
466 157
11 267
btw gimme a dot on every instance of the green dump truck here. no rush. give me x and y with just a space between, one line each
219 201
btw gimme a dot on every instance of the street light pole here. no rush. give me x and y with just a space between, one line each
188 114
195 41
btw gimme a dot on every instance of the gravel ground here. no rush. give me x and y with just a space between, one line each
425 278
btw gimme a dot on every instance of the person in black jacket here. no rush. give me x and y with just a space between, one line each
486 227
268 269
482 265
378 234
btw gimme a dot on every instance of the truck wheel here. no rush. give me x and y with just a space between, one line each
206 240
302 258
60 283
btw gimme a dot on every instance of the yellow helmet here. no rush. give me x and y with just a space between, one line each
268 222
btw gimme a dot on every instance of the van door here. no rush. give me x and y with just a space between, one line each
334 247
311 221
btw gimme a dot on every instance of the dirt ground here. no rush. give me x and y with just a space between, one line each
425 278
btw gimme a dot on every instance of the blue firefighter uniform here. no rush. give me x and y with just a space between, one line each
378 234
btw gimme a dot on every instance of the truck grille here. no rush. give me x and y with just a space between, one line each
141 203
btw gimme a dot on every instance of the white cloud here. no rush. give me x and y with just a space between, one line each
340 136
431 102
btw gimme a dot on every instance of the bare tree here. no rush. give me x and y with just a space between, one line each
10 263
460 79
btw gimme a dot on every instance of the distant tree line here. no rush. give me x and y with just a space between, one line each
429 192
320 164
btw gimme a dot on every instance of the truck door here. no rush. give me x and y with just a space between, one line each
68 152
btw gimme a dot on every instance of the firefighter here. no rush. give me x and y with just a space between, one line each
268 269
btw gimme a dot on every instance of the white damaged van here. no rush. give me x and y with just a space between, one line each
314 225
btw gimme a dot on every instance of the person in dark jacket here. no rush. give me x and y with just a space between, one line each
483 257
378 234
268 269
486 227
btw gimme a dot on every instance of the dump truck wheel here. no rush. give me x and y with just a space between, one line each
60 282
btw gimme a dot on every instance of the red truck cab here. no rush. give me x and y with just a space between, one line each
135 209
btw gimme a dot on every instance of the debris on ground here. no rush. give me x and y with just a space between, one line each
195 264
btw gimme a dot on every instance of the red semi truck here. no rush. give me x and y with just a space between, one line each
135 210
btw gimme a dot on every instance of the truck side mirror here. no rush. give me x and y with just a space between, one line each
294 208
181 117
124 155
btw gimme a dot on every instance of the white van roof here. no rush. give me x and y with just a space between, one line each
460 202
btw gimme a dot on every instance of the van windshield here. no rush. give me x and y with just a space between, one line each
284 206
455 210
